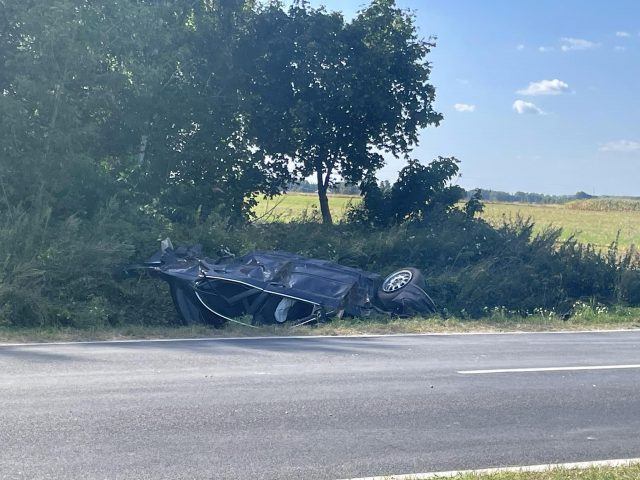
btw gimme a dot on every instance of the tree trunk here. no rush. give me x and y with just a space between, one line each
324 200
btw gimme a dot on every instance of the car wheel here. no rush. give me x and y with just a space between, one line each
394 283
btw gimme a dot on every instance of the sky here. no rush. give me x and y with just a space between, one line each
537 95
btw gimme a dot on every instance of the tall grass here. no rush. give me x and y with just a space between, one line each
606 205
59 271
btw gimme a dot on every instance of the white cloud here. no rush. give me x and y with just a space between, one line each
545 87
520 47
621 146
568 44
619 48
545 49
623 34
523 107
464 107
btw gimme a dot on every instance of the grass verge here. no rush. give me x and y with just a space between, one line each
623 318
630 472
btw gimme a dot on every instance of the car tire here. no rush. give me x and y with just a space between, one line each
394 283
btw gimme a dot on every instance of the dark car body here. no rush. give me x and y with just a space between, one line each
275 287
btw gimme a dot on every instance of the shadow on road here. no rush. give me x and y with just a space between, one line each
274 345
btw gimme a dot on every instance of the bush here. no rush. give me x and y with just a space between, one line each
420 192
58 272
471 268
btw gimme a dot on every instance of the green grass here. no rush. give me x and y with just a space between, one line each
597 227
496 321
595 221
294 206
629 472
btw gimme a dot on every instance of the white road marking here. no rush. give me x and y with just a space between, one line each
548 369
490 471
304 337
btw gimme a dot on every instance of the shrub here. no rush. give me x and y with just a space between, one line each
470 267
421 191
59 272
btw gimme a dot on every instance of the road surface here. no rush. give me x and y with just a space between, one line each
316 408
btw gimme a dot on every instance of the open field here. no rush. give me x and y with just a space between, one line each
293 206
598 226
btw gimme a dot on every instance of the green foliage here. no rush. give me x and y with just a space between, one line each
135 97
474 205
331 95
52 89
598 228
59 272
471 268
586 226
420 193
529 197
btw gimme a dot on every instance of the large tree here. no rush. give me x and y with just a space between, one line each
52 92
142 89
182 117
330 97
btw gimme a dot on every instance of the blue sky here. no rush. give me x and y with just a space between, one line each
538 96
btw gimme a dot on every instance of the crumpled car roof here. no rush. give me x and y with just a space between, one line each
278 286
324 283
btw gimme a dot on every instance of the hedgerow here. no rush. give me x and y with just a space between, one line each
60 271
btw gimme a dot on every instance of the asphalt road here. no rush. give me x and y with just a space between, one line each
322 408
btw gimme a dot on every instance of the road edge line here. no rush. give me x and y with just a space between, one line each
303 337
523 469
575 368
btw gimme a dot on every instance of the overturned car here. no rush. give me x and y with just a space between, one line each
277 287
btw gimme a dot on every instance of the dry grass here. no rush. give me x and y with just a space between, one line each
630 472
622 319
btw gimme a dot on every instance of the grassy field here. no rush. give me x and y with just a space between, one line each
597 222
293 206
598 227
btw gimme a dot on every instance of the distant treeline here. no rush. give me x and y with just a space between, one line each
527 197
487 195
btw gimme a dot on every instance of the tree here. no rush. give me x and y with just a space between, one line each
141 90
330 97
183 145
474 204
423 189
52 90
419 193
